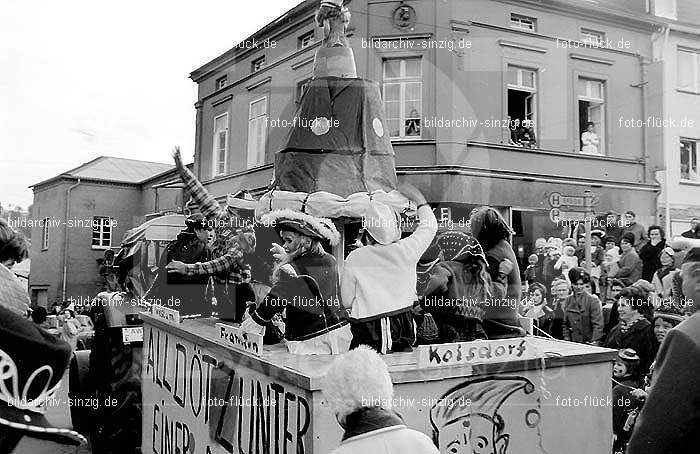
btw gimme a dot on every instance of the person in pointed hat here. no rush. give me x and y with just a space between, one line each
472 417
32 363
235 239
378 284
306 285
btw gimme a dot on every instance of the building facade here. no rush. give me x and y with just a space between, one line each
456 78
80 214
676 70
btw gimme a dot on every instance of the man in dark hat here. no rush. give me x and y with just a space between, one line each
179 291
32 360
671 415
694 231
235 239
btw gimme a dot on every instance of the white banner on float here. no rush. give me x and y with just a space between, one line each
475 352
169 315
240 339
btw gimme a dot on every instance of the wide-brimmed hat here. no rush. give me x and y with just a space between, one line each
32 363
382 223
669 311
311 226
241 200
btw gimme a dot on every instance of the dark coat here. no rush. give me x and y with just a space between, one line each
630 267
669 420
639 337
651 261
583 319
311 298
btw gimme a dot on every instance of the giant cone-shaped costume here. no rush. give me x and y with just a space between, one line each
337 154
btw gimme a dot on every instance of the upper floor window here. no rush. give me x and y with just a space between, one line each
305 40
689 159
403 96
522 106
523 22
591 115
301 88
257 64
221 82
688 69
220 150
257 132
101 232
592 37
45 234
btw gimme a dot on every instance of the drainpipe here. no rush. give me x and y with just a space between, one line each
65 240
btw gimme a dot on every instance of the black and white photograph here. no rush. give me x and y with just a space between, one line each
350 227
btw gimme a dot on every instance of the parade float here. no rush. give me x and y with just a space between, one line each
210 387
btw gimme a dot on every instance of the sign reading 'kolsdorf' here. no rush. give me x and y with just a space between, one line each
475 352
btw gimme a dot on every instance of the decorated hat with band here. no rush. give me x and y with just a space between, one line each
32 363
311 226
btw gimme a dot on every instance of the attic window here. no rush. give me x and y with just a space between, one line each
221 82
521 22
305 40
257 64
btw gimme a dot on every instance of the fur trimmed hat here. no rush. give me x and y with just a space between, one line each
305 224
356 379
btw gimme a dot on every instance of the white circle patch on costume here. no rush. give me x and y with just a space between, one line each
378 127
320 126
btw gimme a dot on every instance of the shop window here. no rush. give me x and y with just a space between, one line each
689 160
403 97
220 148
257 132
591 116
522 106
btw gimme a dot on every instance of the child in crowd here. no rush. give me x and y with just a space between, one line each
532 272
567 261
626 377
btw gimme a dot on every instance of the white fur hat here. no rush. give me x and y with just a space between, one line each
356 379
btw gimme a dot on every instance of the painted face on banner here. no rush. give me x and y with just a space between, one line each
472 435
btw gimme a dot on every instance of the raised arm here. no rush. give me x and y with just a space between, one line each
207 204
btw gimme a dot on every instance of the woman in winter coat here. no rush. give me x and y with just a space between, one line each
662 279
651 251
359 392
634 330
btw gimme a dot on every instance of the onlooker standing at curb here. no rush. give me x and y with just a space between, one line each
583 319
671 415
694 231
379 279
650 253
636 229
630 263
359 392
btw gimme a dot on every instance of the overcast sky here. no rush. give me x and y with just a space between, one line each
84 78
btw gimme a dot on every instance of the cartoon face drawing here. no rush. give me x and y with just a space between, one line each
475 417
472 435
